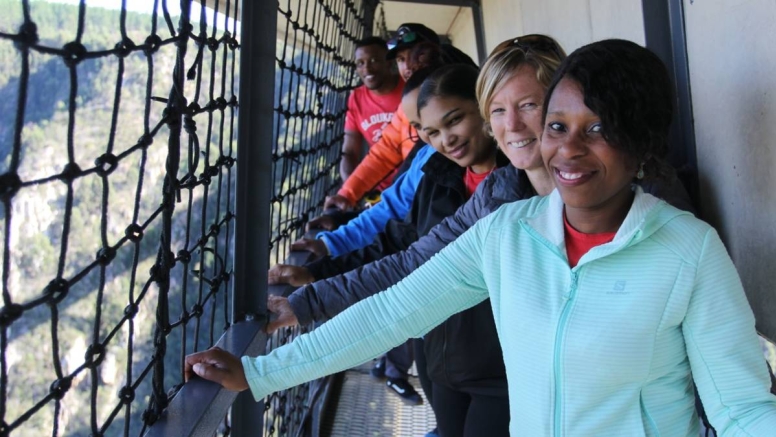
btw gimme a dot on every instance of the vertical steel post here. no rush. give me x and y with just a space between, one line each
370 7
479 31
254 163
254 182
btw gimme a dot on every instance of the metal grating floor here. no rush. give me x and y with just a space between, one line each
365 407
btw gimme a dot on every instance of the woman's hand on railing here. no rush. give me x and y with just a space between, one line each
285 315
318 247
217 365
288 274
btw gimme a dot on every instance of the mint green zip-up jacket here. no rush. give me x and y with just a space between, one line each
608 348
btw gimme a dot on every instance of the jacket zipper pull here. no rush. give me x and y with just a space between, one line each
573 287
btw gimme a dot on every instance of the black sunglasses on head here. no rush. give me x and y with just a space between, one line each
403 35
533 42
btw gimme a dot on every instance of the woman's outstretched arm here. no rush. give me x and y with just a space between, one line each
725 356
450 282
326 298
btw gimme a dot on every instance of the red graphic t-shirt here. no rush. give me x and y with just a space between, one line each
368 113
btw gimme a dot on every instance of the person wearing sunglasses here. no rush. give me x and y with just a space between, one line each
610 304
371 105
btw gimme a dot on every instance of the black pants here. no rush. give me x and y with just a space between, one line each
420 362
464 414
399 360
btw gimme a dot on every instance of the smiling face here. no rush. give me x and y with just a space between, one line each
515 113
454 127
372 67
592 176
409 104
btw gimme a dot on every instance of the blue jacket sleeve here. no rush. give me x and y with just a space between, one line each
395 204
451 282
326 298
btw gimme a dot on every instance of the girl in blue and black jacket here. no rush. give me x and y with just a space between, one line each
463 358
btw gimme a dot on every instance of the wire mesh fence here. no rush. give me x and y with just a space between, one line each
117 186
314 75
117 128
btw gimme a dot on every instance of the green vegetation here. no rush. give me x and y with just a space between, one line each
41 250
37 217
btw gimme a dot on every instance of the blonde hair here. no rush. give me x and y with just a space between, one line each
541 52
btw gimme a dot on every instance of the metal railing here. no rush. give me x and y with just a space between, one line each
129 213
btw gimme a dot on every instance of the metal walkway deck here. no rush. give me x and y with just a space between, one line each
364 406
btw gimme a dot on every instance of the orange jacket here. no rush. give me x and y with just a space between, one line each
384 156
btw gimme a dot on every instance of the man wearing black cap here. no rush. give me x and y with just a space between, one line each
407 35
396 141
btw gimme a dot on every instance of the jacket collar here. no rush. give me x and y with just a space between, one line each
445 172
438 166
646 216
510 184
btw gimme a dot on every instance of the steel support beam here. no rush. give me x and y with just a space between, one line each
254 183
254 166
479 22
479 31
370 7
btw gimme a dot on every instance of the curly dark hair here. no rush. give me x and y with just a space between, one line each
629 88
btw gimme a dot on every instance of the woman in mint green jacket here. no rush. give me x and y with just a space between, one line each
609 303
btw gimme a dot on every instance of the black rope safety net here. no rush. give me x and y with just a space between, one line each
315 72
116 250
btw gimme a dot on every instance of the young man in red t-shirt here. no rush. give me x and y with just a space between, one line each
371 105
386 155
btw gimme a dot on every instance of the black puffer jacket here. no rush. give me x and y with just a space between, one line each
464 350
